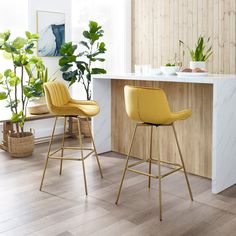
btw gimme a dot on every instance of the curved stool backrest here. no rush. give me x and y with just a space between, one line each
56 94
147 105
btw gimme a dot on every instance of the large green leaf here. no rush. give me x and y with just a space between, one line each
68 49
5 35
19 43
8 73
28 34
67 59
102 47
66 67
14 81
84 44
68 76
93 26
3 95
9 48
98 71
15 117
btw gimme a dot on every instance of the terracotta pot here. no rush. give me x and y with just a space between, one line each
21 146
38 106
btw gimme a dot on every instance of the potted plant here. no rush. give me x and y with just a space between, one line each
170 69
34 89
13 82
200 54
80 66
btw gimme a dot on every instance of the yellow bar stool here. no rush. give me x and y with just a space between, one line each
149 107
61 104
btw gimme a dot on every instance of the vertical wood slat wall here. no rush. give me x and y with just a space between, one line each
159 24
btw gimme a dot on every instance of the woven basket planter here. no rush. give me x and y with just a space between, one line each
84 127
21 147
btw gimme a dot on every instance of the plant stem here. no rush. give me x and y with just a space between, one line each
22 98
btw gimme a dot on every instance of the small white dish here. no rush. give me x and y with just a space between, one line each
192 74
169 70
156 71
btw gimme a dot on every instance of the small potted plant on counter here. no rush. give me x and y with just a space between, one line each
80 66
200 54
170 69
19 51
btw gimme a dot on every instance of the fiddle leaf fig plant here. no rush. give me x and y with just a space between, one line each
80 66
14 82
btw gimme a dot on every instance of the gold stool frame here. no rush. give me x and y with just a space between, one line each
150 160
50 155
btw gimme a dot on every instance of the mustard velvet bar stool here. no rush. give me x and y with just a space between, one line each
149 107
61 104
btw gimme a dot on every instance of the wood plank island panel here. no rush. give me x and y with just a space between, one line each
158 25
195 134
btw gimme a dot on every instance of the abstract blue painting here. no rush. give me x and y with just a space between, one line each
51 30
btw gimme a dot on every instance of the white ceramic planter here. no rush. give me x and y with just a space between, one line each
169 70
38 106
197 64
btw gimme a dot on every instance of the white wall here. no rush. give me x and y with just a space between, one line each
43 128
115 18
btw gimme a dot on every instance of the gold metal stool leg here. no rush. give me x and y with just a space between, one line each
150 161
159 186
82 157
126 164
49 150
94 147
182 161
62 145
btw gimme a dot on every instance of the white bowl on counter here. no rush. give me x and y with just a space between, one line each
170 70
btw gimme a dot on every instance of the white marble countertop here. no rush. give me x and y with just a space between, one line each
210 79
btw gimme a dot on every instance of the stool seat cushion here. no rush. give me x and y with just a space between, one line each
60 103
76 109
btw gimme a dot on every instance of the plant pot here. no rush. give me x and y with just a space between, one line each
197 64
84 127
169 70
21 146
38 106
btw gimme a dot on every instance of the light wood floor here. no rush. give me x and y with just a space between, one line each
63 209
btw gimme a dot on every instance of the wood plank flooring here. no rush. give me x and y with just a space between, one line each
64 210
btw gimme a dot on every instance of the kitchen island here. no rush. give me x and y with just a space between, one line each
207 139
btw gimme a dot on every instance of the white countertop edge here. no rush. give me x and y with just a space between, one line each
210 79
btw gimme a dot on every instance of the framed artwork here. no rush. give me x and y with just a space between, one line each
51 30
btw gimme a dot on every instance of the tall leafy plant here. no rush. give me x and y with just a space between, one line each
14 80
80 66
